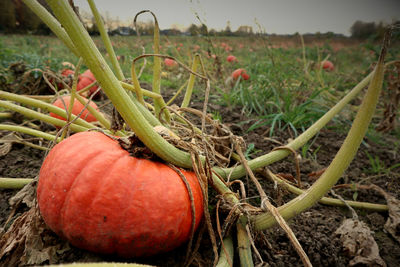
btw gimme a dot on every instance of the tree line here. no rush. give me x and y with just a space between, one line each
16 17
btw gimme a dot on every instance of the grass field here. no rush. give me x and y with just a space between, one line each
286 89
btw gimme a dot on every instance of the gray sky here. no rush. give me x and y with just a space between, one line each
276 16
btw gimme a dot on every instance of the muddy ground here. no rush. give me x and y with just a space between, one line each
315 228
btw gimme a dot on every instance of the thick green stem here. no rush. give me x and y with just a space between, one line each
111 86
145 92
98 115
44 106
136 87
26 130
177 93
244 245
106 41
14 183
39 116
157 68
274 156
52 23
331 201
189 89
226 253
341 161
5 115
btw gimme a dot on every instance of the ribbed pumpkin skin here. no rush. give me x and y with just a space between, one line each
95 195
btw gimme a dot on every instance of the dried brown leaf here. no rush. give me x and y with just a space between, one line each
29 242
6 144
392 225
27 195
358 243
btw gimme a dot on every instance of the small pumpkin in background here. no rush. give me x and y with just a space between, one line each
231 58
85 79
327 65
76 109
240 72
67 72
98 197
170 63
67 75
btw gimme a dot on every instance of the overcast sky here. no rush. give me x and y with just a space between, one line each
275 16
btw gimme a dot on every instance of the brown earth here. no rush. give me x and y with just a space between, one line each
314 228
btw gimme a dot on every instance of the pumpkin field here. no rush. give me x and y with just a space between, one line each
198 150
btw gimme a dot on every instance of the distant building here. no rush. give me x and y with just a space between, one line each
123 30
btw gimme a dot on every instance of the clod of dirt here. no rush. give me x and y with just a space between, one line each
358 242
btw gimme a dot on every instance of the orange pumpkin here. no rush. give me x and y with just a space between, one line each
85 79
231 58
97 196
327 65
76 109
240 72
170 62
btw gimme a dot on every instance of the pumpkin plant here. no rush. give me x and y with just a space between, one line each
99 197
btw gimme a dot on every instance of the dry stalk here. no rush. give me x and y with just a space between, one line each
296 160
221 237
200 171
353 212
266 204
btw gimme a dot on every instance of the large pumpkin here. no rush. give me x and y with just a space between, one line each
97 196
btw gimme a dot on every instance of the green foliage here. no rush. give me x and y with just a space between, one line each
283 92
34 53
216 116
279 93
378 166
250 151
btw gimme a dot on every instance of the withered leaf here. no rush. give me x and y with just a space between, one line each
392 225
27 195
6 144
359 244
29 242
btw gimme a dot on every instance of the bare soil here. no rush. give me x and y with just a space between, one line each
315 228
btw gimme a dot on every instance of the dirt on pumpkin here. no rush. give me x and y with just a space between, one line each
314 228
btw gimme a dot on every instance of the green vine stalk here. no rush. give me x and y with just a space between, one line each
343 157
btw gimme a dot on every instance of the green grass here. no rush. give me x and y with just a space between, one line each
279 94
